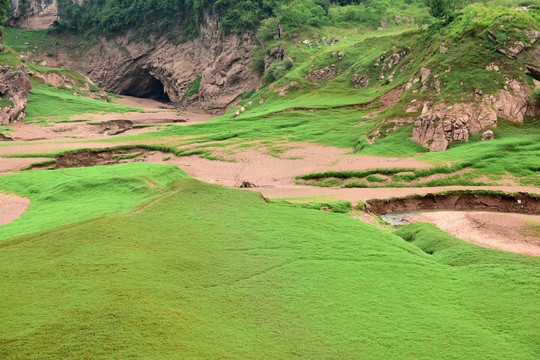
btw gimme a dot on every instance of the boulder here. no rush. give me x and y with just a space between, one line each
424 75
325 73
488 135
439 126
361 81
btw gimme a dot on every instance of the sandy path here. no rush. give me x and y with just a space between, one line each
49 147
16 164
11 207
263 169
508 232
157 113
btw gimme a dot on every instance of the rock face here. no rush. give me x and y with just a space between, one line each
360 81
276 54
14 87
162 70
326 73
512 47
438 127
34 14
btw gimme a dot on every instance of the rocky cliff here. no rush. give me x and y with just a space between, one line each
14 89
160 69
35 14
441 121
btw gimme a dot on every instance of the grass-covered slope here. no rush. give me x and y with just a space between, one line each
71 195
209 272
57 93
50 103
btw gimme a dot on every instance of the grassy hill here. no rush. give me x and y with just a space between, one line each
208 272
141 261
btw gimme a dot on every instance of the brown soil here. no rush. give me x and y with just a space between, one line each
257 166
508 232
365 194
156 113
97 157
460 200
11 207
10 165
5 138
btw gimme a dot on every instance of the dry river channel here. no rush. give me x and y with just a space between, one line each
274 177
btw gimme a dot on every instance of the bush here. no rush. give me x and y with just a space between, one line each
257 64
275 72
535 96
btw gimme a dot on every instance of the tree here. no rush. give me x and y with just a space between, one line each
439 9
4 8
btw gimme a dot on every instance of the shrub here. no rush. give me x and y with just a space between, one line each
257 64
535 96
275 72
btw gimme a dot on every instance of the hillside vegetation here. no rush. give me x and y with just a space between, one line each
169 16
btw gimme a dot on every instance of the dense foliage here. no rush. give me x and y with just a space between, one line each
164 16
170 16
4 8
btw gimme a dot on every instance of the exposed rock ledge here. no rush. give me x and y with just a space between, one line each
162 70
439 126
14 88
34 14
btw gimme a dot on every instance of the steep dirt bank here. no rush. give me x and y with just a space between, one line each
460 200
85 157
366 194
11 208
507 232
160 69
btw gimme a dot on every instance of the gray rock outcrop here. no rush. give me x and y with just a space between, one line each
14 89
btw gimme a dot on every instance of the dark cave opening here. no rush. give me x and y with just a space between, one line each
145 85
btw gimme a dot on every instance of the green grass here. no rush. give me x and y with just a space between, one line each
9 57
17 39
514 151
193 88
5 102
49 103
78 78
514 154
66 196
210 272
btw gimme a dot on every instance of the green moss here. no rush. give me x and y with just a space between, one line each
193 88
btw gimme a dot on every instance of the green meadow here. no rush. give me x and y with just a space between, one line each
140 261
208 272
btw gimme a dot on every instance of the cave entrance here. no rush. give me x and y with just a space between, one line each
145 85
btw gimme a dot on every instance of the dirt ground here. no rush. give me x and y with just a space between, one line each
11 207
502 231
265 170
156 113
272 174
